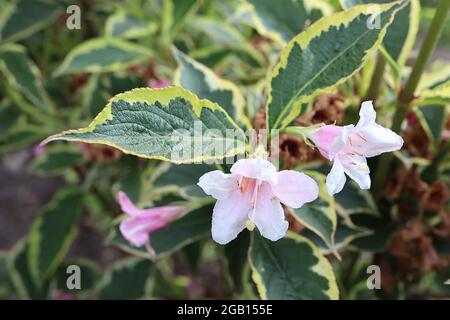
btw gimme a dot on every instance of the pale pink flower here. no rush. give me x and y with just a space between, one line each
140 223
253 192
349 146
323 138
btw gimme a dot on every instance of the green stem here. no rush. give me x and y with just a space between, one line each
376 80
301 132
407 95
431 39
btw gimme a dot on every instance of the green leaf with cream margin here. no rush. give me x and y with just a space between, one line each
19 274
121 25
346 232
52 233
129 278
170 124
438 75
16 22
437 95
23 75
202 81
283 21
401 34
102 55
353 200
322 57
432 118
320 215
291 268
175 14
226 35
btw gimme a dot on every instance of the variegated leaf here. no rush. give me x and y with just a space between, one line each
291 268
170 124
324 56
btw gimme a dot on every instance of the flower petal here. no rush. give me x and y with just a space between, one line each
256 168
374 139
294 188
357 169
128 206
336 178
367 114
268 215
324 137
340 142
230 216
136 229
218 184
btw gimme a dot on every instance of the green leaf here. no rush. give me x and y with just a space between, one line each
360 291
19 273
380 233
52 233
324 56
10 118
435 283
211 56
90 274
20 19
401 34
94 96
128 279
175 13
291 268
285 19
432 119
182 178
5 282
236 257
346 232
353 200
22 137
194 226
56 160
439 74
437 95
226 36
191 227
22 75
121 25
168 124
319 215
202 81
102 55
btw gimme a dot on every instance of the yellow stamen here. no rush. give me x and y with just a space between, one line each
249 225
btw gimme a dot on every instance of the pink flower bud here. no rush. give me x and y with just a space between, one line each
142 222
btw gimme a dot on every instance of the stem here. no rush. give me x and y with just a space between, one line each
376 80
301 132
407 95
427 48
